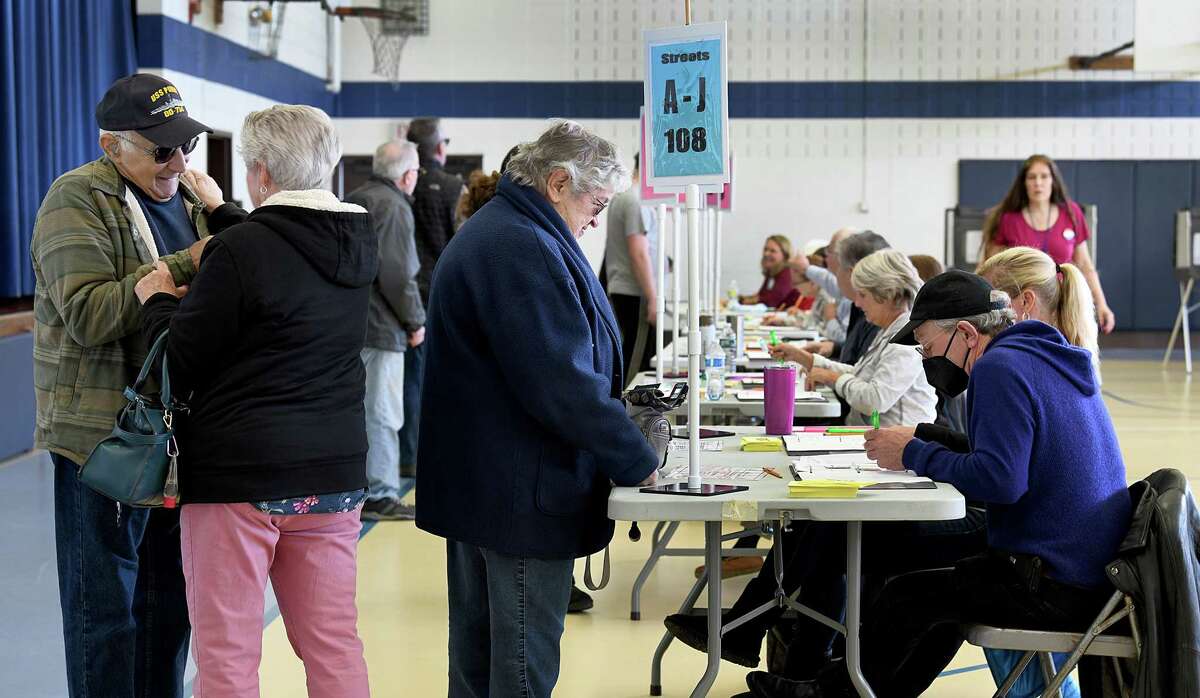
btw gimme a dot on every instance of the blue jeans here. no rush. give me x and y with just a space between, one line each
120 583
384 411
506 619
414 373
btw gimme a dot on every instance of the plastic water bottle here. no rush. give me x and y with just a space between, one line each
729 347
732 293
714 369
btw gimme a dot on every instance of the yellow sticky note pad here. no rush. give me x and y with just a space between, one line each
762 444
832 489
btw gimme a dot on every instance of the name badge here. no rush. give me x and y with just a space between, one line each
1069 234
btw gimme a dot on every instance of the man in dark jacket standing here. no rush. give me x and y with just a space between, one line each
434 202
395 322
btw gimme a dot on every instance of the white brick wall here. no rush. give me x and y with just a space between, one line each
804 178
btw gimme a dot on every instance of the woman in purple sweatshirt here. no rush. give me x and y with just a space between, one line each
1044 458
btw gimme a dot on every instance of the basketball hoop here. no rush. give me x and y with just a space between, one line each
389 27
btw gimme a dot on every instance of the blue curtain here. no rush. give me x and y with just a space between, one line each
57 57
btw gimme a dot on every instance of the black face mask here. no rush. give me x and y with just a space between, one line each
945 375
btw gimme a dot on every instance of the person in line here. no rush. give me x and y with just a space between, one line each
100 229
887 378
1041 448
434 202
480 190
272 456
518 322
1038 212
629 255
777 277
395 322
481 187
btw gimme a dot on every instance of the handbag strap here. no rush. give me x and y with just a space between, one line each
158 347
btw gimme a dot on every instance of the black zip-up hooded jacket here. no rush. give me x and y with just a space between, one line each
265 348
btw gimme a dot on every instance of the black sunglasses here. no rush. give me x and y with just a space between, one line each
162 153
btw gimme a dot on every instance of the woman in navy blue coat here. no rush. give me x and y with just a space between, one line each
523 432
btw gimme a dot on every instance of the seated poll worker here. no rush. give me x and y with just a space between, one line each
1038 289
523 430
1043 457
777 276
835 320
887 378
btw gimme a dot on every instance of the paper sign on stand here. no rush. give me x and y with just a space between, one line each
687 147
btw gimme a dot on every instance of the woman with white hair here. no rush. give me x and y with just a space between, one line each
272 454
525 357
888 378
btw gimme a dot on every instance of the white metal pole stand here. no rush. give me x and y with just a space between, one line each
706 258
677 320
660 295
694 341
694 485
716 266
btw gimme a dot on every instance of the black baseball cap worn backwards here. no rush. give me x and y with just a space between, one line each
954 294
150 105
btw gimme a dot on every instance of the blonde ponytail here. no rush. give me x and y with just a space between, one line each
1064 296
1076 311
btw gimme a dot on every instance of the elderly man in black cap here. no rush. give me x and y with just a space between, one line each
434 202
100 229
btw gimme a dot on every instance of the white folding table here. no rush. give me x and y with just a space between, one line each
767 500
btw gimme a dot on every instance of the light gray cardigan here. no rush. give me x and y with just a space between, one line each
889 378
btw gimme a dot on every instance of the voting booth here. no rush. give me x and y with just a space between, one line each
1187 269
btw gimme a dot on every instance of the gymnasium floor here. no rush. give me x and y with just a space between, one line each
402 604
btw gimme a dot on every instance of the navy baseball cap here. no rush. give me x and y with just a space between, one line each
150 105
954 294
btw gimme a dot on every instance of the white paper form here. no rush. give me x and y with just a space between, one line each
851 467
815 441
801 396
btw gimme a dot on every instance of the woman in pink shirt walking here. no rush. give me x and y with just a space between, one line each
1037 212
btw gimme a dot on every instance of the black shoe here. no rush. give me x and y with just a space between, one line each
764 685
740 646
387 510
580 601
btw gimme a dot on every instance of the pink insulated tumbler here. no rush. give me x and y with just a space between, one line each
779 384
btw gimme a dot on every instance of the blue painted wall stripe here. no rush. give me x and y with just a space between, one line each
164 42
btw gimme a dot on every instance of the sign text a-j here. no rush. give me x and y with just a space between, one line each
687 106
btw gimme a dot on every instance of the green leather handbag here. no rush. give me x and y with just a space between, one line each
136 464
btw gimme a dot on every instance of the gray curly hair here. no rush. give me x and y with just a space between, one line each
590 161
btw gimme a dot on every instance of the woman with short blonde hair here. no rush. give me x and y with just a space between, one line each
889 378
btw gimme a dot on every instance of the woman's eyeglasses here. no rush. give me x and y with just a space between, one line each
162 153
599 206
